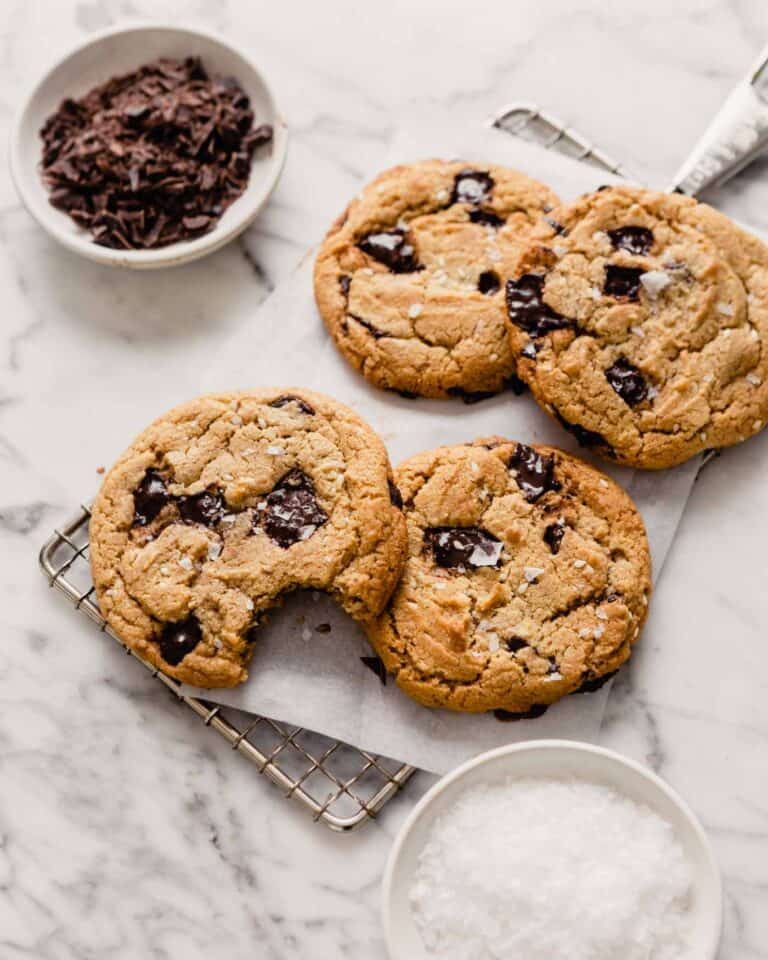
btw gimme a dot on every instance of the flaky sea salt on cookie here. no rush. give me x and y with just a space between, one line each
640 322
527 578
409 280
226 504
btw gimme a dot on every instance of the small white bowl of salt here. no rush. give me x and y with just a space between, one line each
552 850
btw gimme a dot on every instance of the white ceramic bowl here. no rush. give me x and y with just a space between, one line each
120 50
551 758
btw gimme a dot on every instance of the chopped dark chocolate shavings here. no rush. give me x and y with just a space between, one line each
151 157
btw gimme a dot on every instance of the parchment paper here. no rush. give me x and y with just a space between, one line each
317 680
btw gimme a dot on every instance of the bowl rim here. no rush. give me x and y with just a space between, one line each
174 254
576 746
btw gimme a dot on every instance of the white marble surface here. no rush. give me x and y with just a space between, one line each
125 830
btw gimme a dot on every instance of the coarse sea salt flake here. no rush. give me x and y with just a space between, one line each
185 563
597 632
579 564
214 551
725 309
638 332
485 556
536 885
531 573
522 587
414 310
601 615
493 643
654 281
274 450
754 379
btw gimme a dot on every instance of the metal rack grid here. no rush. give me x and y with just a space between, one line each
340 785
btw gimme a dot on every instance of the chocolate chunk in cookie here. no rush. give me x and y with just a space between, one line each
627 381
291 511
637 240
472 186
297 401
622 282
487 217
526 307
553 536
206 508
534 472
585 438
395 497
393 249
176 640
149 498
488 282
460 548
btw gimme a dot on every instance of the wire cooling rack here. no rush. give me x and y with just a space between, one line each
340 785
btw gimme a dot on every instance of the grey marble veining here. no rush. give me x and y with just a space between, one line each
126 831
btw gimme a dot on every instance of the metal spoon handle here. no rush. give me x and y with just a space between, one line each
733 139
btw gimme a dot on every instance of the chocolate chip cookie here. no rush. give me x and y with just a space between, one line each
409 280
527 579
226 504
640 321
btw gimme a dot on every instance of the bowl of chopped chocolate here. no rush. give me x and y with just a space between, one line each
148 146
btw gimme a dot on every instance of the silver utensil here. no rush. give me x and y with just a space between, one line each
736 135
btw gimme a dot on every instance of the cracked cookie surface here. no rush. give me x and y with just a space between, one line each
409 280
227 503
527 578
640 321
